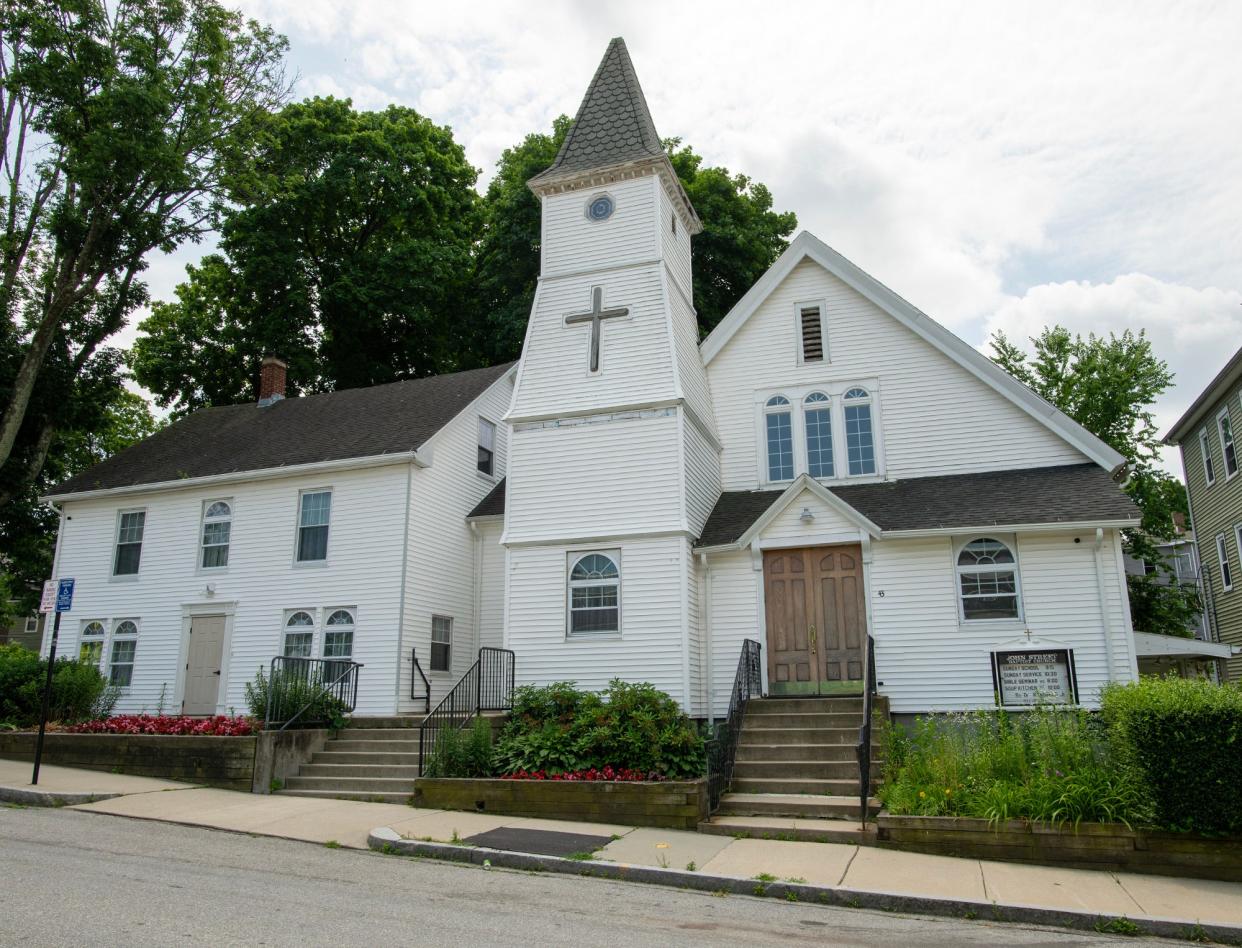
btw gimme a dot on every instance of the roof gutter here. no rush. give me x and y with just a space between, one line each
419 458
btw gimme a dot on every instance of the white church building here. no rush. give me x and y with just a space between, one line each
626 501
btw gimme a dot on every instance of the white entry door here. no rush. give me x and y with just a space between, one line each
202 669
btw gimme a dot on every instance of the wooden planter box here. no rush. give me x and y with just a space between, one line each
675 804
1108 846
226 762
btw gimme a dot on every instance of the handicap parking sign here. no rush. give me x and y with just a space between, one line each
64 595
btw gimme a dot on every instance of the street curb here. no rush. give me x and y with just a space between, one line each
387 840
32 797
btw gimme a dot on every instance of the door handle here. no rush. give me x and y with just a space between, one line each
216 672
812 636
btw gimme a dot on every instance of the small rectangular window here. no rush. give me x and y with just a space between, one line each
487 446
810 322
313 517
32 624
441 643
1226 570
130 529
1227 448
1205 446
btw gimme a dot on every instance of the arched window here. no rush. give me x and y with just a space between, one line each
778 420
859 437
818 418
217 531
987 576
91 647
338 634
124 645
595 593
299 634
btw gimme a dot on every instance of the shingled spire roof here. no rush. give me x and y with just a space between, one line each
613 125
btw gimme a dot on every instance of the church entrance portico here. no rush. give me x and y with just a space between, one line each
816 620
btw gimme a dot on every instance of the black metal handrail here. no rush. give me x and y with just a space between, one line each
309 690
417 670
864 732
487 685
722 748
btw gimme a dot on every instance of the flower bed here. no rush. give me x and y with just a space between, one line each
591 775
172 725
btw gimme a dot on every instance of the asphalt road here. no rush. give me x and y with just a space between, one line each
74 878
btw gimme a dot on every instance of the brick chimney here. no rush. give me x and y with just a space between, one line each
272 380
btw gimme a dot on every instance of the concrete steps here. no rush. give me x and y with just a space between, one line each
372 759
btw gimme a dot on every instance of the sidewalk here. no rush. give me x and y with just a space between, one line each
676 857
65 786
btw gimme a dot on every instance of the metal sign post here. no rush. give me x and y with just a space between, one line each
63 602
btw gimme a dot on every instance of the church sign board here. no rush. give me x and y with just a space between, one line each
1027 677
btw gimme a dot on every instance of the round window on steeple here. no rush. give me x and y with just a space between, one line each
600 207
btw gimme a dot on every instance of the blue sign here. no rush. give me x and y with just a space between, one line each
64 595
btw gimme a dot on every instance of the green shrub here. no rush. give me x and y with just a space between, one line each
1185 736
559 728
291 691
1050 764
79 691
462 752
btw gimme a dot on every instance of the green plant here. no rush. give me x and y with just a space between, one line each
584 856
79 691
1118 926
1185 737
691 866
332 844
791 895
276 785
765 877
462 753
293 690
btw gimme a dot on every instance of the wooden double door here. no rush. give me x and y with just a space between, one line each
816 620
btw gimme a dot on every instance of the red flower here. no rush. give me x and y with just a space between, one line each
219 726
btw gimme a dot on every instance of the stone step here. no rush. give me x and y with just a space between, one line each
808 751
796 769
793 805
849 832
765 736
829 787
773 719
372 747
377 734
385 723
336 770
353 784
399 798
331 756
806 705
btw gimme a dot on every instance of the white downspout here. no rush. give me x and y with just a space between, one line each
1099 588
707 637
477 536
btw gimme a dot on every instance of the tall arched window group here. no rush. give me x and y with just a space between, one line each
803 436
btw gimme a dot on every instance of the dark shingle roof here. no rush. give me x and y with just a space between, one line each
493 505
613 124
1215 390
1074 493
353 423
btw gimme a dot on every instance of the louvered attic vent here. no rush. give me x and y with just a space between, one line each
812 335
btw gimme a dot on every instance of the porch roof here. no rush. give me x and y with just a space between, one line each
1077 493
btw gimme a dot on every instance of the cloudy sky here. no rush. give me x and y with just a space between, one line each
1002 166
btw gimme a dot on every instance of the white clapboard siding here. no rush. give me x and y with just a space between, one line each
491 585
936 417
676 245
789 528
690 370
597 479
651 645
259 585
735 617
702 467
694 637
636 362
443 551
572 242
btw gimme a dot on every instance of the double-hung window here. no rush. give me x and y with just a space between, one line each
299 635
1226 568
1205 448
124 646
487 447
217 534
129 530
1227 449
594 593
314 514
338 634
778 423
91 642
441 643
818 419
987 576
859 436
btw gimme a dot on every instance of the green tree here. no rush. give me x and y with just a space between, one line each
1109 386
118 120
741 238
346 251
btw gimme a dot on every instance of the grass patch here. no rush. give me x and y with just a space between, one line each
765 877
1118 926
332 844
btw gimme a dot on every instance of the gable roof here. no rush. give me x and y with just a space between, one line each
1074 493
808 246
783 499
493 505
397 418
613 125
1226 378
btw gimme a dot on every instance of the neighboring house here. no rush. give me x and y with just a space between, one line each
22 630
829 464
1210 459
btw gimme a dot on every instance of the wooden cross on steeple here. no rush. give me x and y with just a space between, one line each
595 317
